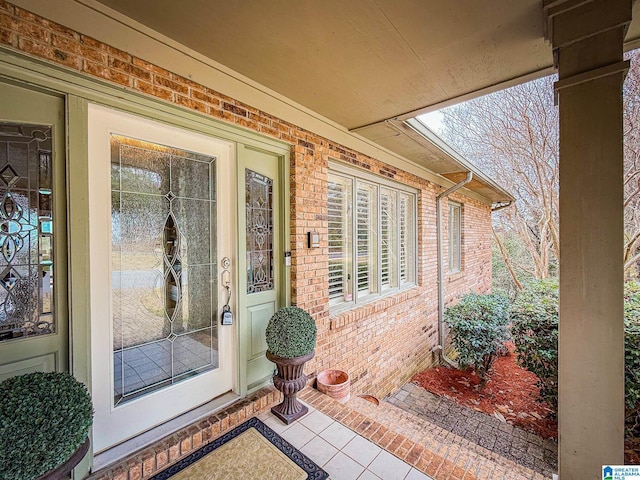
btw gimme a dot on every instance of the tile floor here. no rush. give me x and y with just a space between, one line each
341 452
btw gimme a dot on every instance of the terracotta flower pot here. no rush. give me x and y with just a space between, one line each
336 384
290 379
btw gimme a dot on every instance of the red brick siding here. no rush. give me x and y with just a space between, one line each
380 344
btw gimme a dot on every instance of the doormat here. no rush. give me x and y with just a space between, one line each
249 451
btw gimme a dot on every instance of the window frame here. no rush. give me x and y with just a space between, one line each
352 296
455 262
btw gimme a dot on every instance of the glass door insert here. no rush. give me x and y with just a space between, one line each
164 276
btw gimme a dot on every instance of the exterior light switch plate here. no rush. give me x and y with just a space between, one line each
313 239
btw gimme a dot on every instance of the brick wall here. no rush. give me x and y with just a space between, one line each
381 344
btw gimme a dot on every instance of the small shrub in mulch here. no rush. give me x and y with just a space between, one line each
534 327
478 328
632 371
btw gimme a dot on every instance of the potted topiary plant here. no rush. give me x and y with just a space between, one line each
291 341
44 426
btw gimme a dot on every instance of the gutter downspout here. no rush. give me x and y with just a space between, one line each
441 327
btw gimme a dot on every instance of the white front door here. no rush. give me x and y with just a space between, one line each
161 221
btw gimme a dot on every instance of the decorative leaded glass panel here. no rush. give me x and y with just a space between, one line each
164 276
259 205
26 231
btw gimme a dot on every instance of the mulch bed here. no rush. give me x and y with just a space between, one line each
632 451
511 393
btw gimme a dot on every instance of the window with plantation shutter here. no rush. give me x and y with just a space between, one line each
407 244
455 237
388 232
339 214
366 226
372 236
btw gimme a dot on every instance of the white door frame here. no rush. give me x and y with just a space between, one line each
113 425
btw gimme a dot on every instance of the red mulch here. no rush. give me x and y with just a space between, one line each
632 451
510 394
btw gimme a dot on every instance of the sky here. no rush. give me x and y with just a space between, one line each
433 120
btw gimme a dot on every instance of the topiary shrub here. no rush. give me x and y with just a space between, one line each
534 328
44 418
478 328
291 332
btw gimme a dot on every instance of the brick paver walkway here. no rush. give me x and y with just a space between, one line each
437 452
487 431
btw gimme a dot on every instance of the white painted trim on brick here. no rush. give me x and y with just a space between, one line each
351 170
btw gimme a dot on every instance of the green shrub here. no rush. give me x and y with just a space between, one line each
534 328
291 332
478 328
632 356
44 418
534 317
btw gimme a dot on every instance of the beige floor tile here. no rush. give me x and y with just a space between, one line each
367 475
341 467
361 450
337 435
316 421
276 424
319 450
298 435
389 467
417 475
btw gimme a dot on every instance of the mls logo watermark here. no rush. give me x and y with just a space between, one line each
620 472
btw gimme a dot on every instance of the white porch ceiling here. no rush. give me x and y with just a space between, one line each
360 62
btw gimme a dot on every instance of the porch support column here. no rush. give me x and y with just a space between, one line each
587 38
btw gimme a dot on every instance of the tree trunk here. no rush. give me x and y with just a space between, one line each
507 260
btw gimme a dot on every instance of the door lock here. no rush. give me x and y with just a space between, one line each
227 314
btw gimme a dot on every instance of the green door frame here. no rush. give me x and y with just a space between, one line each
256 308
80 90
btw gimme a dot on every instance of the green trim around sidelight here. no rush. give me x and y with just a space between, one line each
26 104
256 369
78 259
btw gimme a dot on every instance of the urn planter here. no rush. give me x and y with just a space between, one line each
291 341
289 380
